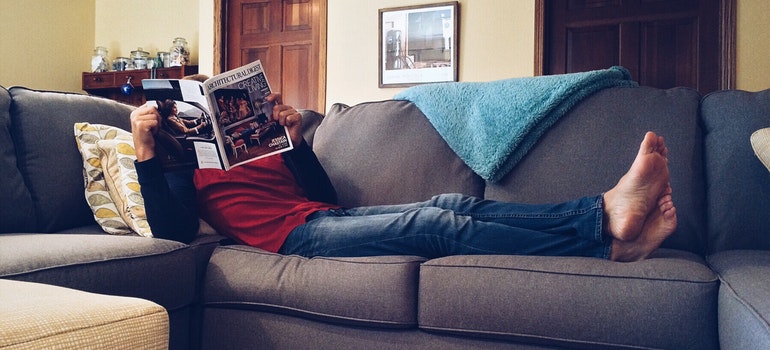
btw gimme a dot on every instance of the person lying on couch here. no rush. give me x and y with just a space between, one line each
286 204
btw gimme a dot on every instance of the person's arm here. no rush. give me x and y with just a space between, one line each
302 162
169 201
182 127
188 122
170 215
309 173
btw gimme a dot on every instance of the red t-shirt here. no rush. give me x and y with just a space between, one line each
257 203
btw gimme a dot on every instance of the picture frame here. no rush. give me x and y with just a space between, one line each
418 44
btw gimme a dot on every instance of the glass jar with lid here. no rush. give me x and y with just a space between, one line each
179 55
139 58
120 63
100 61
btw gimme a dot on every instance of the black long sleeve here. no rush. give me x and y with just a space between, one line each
310 175
169 201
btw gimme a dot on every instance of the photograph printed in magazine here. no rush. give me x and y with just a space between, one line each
220 123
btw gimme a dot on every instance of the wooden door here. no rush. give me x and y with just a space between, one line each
664 43
288 36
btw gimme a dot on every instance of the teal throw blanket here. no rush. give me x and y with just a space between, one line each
492 125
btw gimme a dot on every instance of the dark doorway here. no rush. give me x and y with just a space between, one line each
664 43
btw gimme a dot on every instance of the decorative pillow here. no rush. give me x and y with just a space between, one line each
117 158
111 186
760 142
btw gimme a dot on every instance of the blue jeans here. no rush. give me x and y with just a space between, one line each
453 224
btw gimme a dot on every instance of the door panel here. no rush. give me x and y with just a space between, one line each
294 79
592 47
669 54
664 43
287 36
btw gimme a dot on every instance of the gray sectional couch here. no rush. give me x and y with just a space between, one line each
707 288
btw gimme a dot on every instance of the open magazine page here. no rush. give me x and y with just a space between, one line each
187 137
243 116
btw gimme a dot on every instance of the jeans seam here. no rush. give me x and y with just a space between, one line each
583 211
441 237
599 235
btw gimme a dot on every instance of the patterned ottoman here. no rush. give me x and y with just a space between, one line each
41 316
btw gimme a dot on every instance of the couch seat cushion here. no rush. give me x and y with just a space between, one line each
158 270
373 291
666 302
744 298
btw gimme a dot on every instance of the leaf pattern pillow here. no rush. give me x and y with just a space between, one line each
118 158
111 186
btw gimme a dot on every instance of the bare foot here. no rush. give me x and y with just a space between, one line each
659 225
628 204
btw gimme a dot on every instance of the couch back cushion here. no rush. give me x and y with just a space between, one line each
16 209
738 183
386 152
590 148
42 129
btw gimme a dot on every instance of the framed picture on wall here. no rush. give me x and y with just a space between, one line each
418 44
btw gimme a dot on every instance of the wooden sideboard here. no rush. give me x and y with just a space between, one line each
108 84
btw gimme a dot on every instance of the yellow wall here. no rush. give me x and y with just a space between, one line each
46 44
496 41
123 26
753 45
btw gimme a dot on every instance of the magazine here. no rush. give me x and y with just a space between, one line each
220 123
